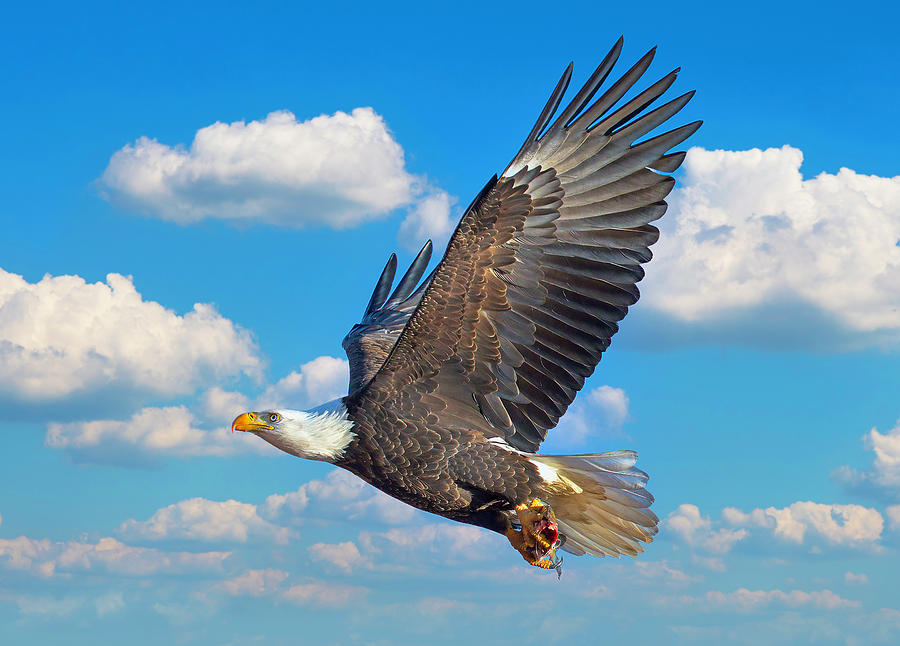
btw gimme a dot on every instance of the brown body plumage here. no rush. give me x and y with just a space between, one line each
453 386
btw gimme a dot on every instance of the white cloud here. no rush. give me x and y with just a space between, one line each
697 531
601 410
808 522
662 571
173 431
253 583
443 542
430 219
815 526
206 520
756 518
109 603
612 402
318 381
345 556
43 606
884 476
715 563
312 592
338 496
28 554
747 235
62 337
148 435
323 594
852 525
46 558
893 514
852 578
337 170
744 600
222 406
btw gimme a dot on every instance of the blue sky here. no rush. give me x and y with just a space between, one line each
757 376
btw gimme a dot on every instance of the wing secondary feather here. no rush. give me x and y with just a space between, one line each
540 270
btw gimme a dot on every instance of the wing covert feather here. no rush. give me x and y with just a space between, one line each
543 264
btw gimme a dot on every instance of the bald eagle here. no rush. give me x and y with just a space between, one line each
456 379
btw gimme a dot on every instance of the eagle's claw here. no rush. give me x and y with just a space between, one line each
538 537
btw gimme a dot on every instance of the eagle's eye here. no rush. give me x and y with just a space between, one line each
274 417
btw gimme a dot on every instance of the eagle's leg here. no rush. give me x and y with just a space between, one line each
539 534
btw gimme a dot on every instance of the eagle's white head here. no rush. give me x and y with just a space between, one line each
322 433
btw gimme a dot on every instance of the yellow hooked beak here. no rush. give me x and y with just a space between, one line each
249 422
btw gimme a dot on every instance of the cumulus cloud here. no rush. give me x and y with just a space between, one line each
848 525
338 496
441 542
206 520
335 170
853 578
45 558
661 571
153 433
430 219
612 403
744 600
697 531
345 556
311 592
222 406
884 475
318 381
147 436
62 337
893 514
813 525
753 253
253 583
601 410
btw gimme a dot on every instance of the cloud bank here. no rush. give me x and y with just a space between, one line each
206 520
336 170
46 558
63 337
753 253
154 433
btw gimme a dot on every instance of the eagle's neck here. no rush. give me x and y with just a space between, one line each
322 433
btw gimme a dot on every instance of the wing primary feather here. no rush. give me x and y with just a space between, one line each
536 276
590 88
615 92
668 163
649 121
383 286
549 108
412 276
637 104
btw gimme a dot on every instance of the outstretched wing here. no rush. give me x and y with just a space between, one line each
543 264
370 341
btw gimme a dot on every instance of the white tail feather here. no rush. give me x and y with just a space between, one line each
607 512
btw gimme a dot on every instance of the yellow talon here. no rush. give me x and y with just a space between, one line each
538 536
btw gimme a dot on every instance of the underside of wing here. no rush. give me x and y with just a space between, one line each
545 262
